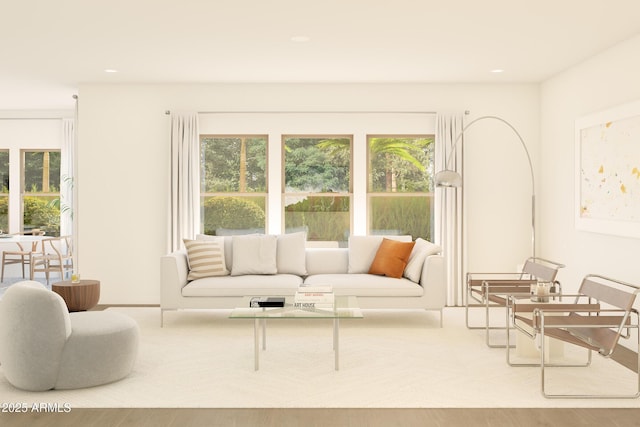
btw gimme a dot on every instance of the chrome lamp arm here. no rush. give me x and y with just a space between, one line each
451 178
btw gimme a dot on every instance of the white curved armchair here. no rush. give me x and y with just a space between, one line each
43 347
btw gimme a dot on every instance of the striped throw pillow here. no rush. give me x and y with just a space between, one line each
206 258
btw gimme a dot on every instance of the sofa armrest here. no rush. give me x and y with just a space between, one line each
174 269
433 280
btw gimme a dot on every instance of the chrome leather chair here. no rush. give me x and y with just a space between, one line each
492 290
601 315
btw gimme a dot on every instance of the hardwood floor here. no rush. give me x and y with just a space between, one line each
326 417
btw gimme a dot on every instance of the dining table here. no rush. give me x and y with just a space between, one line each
22 239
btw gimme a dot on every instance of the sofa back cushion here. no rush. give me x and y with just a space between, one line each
327 260
363 249
290 256
290 252
254 254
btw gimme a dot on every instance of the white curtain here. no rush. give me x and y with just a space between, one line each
185 178
67 176
449 203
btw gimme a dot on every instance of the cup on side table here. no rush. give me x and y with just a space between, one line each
540 292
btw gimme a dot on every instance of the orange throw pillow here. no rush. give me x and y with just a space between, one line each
391 258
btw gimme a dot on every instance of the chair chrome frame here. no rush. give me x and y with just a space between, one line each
513 319
596 330
492 290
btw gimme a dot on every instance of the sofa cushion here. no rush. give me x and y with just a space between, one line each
291 254
254 254
205 258
362 251
247 285
420 252
391 258
327 260
366 285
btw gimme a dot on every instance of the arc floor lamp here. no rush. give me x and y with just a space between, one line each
448 178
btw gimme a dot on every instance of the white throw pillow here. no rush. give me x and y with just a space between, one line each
291 255
419 254
206 258
254 254
362 251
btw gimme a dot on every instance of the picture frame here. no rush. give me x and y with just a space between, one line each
607 171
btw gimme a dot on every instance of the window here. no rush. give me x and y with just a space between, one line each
317 186
41 191
233 175
400 185
4 190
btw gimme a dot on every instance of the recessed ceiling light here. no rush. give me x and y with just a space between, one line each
497 71
110 70
300 39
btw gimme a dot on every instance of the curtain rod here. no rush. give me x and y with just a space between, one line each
168 112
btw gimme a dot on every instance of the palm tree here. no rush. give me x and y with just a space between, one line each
391 148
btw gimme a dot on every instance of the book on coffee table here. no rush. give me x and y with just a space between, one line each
267 302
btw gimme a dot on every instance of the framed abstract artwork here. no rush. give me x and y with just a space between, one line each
607 169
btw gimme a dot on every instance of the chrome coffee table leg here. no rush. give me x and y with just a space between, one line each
336 342
256 343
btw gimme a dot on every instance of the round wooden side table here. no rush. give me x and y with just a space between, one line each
80 296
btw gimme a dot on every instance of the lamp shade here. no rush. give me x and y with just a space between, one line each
448 178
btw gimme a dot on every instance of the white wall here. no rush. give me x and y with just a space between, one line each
123 165
604 81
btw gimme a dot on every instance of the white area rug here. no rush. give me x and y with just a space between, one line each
398 359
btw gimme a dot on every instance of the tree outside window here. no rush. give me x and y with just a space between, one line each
233 174
317 186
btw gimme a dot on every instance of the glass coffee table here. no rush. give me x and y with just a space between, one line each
345 308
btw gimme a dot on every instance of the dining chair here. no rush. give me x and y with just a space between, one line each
56 256
21 256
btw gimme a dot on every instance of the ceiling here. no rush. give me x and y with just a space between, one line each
49 47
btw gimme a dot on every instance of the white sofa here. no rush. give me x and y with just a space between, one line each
342 268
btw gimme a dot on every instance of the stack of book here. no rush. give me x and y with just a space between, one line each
314 297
